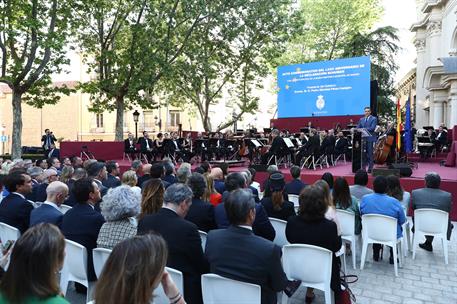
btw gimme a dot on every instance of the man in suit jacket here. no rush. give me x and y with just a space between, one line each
185 252
49 211
14 208
261 226
97 171
296 185
341 144
39 190
237 253
47 140
112 179
278 147
200 213
146 146
82 223
369 122
130 146
170 176
432 197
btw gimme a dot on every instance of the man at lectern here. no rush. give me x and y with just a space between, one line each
368 122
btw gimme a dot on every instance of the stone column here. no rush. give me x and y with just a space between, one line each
437 113
421 92
453 104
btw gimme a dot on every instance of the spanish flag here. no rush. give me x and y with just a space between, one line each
398 125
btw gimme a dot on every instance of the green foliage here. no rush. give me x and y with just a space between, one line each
226 56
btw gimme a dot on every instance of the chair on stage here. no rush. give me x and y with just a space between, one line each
86 154
337 157
308 162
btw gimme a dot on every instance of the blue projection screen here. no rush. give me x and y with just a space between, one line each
326 88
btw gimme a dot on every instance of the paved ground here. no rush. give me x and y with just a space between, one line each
427 279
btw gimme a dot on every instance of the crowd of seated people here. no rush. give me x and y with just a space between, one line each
117 212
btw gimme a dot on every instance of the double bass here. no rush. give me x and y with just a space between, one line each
383 147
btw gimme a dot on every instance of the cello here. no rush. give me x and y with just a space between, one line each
383 147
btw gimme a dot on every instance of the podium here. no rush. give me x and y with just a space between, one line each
358 143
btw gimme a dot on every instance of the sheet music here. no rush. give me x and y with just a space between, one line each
288 142
256 143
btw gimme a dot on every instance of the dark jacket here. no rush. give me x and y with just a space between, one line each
238 254
201 213
142 179
143 146
219 186
255 192
171 179
287 210
295 186
261 226
129 148
15 211
71 200
185 251
39 192
111 181
46 214
81 224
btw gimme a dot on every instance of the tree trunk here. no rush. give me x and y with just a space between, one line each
119 133
16 151
206 123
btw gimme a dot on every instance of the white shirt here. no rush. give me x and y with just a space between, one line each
147 143
52 204
245 227
19 194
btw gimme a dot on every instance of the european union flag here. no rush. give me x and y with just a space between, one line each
408 138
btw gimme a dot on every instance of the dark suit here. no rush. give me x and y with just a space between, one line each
142 179
46 214
322 233
295 186
129 146
261 226
238 254
144 143
434 199
71 200
171 179
53 153
219 185
39 192
369 123
185 251
101 187
81 224
287 209
278 148
15 211
255 192
201 213
111 181
341 146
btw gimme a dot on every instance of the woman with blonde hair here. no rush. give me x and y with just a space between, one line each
134 269
66 174
211 195
152 197
129 178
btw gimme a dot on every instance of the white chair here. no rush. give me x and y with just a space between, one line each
220 290
203 236
406 240
293 198
177 277
8 232
431 222
380 229
310 264
100 256
280 231
347 224
75 268
64 208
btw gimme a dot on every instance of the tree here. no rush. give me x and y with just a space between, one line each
227 56
130 45
33 36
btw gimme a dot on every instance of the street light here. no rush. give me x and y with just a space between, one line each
136 115
234 122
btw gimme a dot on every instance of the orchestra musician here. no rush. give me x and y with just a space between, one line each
341 144
368 122
129 146
146 146
201 146
173 147
277 146
311 147
187 147
158 143
441 139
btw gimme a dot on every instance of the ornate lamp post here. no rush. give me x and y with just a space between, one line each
136 115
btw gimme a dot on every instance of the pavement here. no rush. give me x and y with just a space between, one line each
427 279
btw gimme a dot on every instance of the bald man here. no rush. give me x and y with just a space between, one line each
49 211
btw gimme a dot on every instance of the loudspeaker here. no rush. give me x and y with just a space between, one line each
356 151
259 168
386 172
374 89
404 168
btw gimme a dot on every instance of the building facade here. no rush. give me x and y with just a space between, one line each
406 88
435 39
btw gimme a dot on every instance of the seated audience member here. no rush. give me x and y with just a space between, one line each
134 269
88 162
112 179
261 226
39 190
331 209
211 195
137 166
183 172
395 190
53 163
36 174
255 192
380 203
32 275
359 189
312 227
152 197
432 197
119 207
15 209
76 162
129 179
270 170
49 211
169 172
253 182
328 177
158 171
276 206
296 185
182 237
82 223
224 247
218 177
206 166
201 212
343 200
78 174
146 175
66 174
97 171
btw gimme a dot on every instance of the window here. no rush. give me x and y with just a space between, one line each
148 120
99 119
175 118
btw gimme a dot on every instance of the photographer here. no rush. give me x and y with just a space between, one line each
48 141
